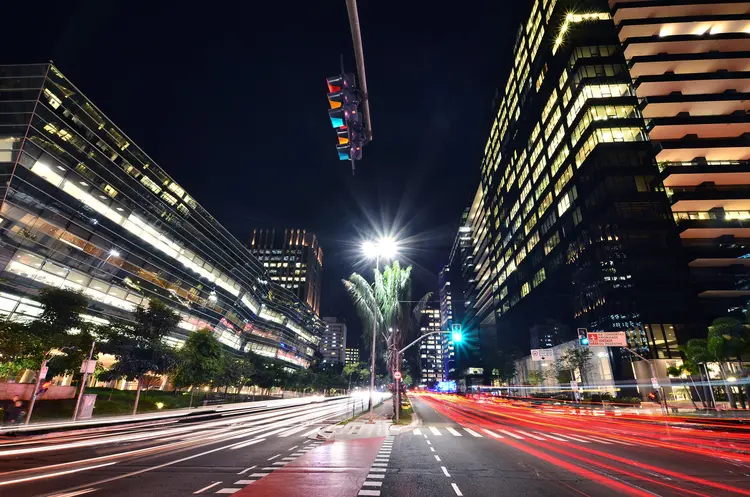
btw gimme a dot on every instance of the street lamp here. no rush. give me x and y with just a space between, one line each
386 248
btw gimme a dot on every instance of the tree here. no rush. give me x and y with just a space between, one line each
388 303
200 360
505 364
726 342
20 348
576 359
535 378
138 347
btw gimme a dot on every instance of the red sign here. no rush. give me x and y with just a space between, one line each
397 375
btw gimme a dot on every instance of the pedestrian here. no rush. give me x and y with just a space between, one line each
14 412
8 407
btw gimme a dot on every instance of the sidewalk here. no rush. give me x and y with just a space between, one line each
361 428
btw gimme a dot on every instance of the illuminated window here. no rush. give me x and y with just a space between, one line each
525 191
530 223
542 185
559 160
539 277
551 242
550 104
109 190
563 78
533 240
150 184
556 141
53 99
564 178
176 189
168 198
545 203
525 289
566 201
552 122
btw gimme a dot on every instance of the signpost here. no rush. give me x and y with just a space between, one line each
542 355
397 375
607 339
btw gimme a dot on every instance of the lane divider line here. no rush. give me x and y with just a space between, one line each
207 487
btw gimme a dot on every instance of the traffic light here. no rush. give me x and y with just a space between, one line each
457 335
43 388
345 116
583 339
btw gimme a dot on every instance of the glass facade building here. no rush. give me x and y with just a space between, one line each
294 260
431 348
573 226
689 61
333 342
84 208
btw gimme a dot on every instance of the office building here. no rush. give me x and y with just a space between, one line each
579 230
688 62
85 208
294 260
333 342
352 356
431 348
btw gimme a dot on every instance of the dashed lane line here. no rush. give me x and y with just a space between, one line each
456 489
247 469
207 487
274 457
445 471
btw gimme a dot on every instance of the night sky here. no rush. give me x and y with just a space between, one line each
229 98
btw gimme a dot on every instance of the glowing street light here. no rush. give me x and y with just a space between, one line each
386 248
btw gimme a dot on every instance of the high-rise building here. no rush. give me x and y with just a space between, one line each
688 61
578 229
85 208
431 348
352 356
446 322
333 342
294 260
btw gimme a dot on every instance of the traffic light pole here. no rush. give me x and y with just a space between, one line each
398 367
83 382
36 389
359 57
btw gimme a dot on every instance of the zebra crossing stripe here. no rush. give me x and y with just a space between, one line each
472 432
453 432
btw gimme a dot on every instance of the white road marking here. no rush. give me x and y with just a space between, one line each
572 438
456 489
537 437
554 437
315 430
278 463
228 490
432 449
79 492
472 432
417 431
424 435
270 468
429 443
453 432
274 457
378 470
258 475
244 482
445 471
297 454
294 447
292 431
372 484
381 464
49 475
373 493
246 444
437 458
511 434
206 488
620 442
247 469
602 440
372 475
492 433
435 431
381 459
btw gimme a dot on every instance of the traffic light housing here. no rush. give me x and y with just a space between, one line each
345 116
583 338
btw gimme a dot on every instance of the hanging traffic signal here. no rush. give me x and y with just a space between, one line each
345 116
583 338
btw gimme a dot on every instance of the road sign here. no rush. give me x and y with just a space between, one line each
608 339
542 355
88 366
43 372
397 375
655 383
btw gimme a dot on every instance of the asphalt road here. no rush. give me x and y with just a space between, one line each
173 458
468 448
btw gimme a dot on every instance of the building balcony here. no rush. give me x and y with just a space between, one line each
712 224
681 25
682 127
705 84
652 45
665 66
696 104
697 197
722 151
642 9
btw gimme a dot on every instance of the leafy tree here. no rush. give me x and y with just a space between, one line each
20 348
577 359
505 364
535 378
200 360
138 347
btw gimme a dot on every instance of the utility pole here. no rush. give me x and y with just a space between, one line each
372 352
359 57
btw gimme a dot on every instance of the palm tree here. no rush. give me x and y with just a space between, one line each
388 302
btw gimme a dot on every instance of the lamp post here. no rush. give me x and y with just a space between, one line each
387 248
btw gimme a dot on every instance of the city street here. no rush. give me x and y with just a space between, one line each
165 458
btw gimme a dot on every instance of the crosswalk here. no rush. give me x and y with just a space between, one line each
517 434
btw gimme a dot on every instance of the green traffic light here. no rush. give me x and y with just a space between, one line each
457 337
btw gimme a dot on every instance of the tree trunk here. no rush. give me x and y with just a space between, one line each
137 395
192 392
111 390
